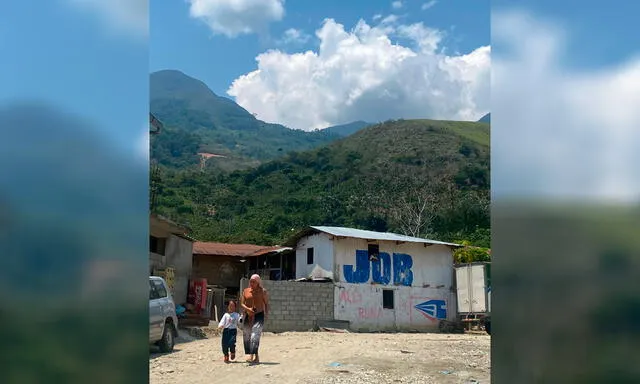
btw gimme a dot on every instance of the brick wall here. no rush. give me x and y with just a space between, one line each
297 306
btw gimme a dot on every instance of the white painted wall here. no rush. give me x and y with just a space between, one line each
361 305
322 254
432 266
358 297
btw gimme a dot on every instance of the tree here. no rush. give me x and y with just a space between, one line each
471 254
413 211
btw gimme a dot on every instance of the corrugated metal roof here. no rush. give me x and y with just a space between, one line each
372 235
239 250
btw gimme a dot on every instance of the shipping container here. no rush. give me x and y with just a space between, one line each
473 287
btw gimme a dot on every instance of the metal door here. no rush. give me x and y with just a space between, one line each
478 288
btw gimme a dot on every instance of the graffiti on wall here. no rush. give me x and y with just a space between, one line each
370 313
381 269
433 309
349 296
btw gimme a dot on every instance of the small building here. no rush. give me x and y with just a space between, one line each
224 265
171 247
383 281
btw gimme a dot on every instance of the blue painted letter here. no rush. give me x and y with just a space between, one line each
381 269
402 273
360 274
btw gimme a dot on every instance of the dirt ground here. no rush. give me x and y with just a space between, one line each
322 357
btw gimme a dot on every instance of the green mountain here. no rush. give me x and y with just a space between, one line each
347 129
485 119
197 120
418 177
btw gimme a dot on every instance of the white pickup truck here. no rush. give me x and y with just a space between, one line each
163 322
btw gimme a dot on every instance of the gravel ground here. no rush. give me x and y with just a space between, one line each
322 358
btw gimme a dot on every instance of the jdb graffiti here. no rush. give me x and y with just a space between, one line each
379 270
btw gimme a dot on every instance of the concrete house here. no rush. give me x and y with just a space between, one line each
169 246
382 281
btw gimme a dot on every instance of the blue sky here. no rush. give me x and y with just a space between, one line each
187 44
53 51
571 81
600 34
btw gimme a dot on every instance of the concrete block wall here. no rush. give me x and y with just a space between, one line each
297 305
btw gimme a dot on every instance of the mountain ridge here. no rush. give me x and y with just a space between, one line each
197 120
347 129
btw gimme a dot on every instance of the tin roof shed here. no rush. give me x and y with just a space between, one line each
364 234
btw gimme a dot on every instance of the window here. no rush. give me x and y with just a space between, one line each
374 251
160 288
309 255
387 298
153 294
157 245
275 274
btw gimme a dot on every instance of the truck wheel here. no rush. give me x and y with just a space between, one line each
487 326
167 342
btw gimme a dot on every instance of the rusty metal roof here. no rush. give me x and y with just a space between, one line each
238 250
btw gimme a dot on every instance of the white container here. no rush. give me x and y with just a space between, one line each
473 289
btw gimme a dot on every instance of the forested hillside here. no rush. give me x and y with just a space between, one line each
418 177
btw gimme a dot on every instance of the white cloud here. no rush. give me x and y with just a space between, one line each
396 4
428 39
559 132
376 17
130 17
294 36
362 75
390 19
428 5
237 17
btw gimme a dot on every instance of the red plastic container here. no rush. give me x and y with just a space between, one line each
198 293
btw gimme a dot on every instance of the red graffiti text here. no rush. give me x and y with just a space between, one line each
370 313
350 296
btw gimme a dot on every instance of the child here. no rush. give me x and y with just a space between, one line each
230 324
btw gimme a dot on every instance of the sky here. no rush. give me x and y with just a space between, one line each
314 64
86 57
600 34
565 95
565 82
